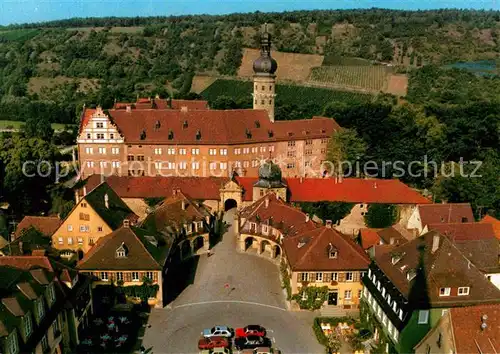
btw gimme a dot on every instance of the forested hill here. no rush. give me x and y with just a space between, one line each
50 69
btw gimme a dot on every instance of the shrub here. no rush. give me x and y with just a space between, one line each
285 281
313 299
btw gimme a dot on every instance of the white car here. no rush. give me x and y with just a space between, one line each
220 351
221 331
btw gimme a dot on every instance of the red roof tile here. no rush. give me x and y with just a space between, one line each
369 237
352 190
308 251
159 103
445 213
26 262
289 220
154 187
85 117
467 332
464 231
47 225
238 126
494 222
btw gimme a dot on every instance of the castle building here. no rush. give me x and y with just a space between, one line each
155 137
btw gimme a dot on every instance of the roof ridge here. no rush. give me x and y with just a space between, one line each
311 246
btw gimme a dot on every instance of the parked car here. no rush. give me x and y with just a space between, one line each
219 331
251 342
261 350
213 342
250 330
221 351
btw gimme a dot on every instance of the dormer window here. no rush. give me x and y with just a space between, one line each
464 290
332 251
122 251
444 291
411 274
99 125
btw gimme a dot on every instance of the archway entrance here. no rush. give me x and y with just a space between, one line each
248 243
277 251
230 204
265 246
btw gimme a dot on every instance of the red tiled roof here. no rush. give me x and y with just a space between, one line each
86 114
445 213
313 251
286 218
154 187
369 237
102 255
238 126
469 336
160 103
444 266
464 231
494 222
47 225
352 190
26 262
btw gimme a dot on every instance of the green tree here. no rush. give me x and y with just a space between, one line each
334 211
345 146
381 215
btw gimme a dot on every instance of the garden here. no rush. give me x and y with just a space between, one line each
336 332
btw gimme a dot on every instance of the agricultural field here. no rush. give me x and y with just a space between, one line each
18 35
285 94
333 59
369 78
291 66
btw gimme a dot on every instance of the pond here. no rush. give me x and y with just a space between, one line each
482 67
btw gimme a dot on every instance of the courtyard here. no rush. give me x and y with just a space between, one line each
226 288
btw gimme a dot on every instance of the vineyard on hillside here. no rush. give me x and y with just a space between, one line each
371 78
285 94
18 35
333 59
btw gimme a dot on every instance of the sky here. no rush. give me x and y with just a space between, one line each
22 11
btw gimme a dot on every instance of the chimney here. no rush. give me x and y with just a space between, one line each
267 202
84 191
307 218
435 243
184 109
329 224
184 205
129 108
375 185
126 223
391 241
106 201
39 253
301 179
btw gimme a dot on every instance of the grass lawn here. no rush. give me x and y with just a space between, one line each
12 124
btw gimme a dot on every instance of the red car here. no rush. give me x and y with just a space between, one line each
213 342
251 330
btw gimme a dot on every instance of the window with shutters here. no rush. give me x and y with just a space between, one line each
135 276
349 276
335 276
304 276
319 277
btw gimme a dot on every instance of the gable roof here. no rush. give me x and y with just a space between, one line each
350 190
465 231
467 332
115 212
488 219
309 251
445 213
161 103
288 219
369 237
445 267
237 126
103 255
47 225
154 187
171 213
26 262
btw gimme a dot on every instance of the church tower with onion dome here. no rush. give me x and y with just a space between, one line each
264 79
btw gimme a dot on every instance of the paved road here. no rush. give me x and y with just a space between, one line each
232 289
